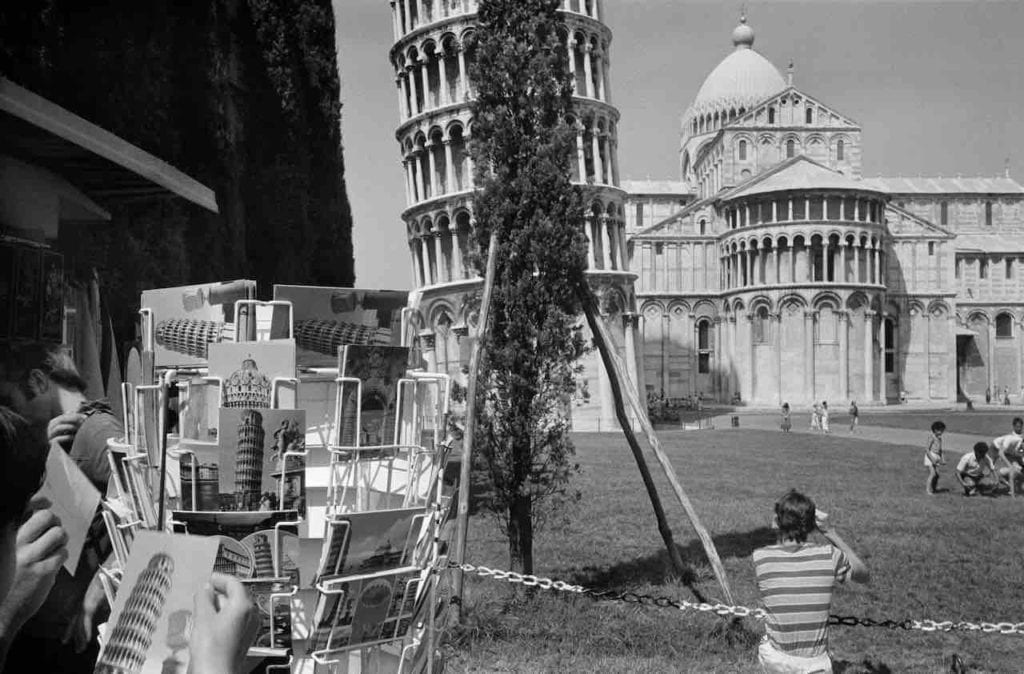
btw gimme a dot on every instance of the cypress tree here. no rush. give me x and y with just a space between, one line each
522 145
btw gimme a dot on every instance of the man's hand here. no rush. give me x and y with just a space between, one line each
62 429
224 625
821 521
94 610
41 551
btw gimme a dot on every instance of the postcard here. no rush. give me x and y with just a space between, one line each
252 544
273 602
187 319
369 542
150 623
369 409
327 318
74 500
248 370
253 443
364 610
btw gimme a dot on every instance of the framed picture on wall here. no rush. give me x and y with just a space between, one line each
27 293
51 321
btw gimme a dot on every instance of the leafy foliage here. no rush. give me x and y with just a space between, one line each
243 95
522 146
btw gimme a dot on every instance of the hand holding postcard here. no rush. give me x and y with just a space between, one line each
74 500
150 622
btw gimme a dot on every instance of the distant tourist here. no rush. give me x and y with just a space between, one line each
988 396
854 416
823 414
1006 395
973 466
795 579
786 422
1010 449
815 416
933 456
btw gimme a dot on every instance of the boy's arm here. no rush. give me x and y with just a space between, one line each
858 570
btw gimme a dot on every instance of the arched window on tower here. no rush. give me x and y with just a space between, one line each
771 115
743 150
890 346
1004 326
761 327
840 150
790 148
703 226
704 347
809 116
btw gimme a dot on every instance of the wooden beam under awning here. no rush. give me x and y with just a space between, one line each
101 164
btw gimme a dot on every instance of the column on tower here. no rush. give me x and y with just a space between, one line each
432 167
439 254
425 79
442 77
869 355
580 158
571 48
595 148
449 166
588 70
598 64
463 78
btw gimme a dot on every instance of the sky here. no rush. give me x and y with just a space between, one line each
937 87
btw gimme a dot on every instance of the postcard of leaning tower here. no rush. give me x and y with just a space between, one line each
252 443
149 625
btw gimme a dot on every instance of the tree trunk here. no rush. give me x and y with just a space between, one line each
520 534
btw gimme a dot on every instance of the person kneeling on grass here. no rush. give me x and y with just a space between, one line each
972 468
795 579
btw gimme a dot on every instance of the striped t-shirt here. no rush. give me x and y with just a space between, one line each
796 582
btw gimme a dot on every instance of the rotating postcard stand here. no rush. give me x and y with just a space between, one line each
180 329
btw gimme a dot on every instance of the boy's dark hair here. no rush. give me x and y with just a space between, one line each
938 426
980 448
1017 420
18 360
795 515
22 465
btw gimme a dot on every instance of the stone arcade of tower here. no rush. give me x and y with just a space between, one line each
435 123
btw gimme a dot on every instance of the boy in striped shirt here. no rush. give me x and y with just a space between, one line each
796 580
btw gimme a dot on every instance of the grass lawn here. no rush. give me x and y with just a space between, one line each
943 557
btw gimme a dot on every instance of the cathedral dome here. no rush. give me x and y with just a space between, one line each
743 79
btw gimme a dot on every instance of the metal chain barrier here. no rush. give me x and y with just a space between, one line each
724 610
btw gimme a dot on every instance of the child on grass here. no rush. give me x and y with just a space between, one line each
823 417
854 416
795 579
815 417
786 422
933 456
972 468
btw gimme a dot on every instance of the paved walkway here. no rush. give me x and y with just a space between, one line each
894 436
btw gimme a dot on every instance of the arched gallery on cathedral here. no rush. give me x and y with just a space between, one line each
770 270
787 276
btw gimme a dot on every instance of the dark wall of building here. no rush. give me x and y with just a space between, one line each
242 95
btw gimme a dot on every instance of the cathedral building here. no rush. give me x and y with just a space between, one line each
431 57
773 271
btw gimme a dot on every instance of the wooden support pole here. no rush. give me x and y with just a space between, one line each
614 368
462 518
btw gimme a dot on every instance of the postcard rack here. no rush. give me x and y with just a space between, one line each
343 524
380 547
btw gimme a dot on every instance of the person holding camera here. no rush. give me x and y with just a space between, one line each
795 578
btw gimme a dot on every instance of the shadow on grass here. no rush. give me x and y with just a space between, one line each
656 569
731 545
866 666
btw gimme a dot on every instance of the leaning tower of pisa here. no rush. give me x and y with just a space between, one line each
434 94
132 635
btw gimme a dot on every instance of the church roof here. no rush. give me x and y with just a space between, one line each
899 185
798 173
666 187
743 79
990 243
